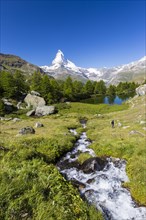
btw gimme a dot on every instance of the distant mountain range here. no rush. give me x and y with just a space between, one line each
61 68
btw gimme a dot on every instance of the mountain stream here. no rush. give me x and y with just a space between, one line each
100 182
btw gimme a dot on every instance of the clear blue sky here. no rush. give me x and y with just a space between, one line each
90 33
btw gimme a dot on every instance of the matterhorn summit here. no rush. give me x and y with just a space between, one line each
59 59
61 68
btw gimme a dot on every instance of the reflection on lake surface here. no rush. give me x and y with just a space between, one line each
108 99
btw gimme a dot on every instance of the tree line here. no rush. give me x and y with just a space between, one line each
16 85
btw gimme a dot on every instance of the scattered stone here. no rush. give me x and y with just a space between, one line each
8 105
119 124
30 113
34 101
24 215
100 116
141 90
89 181
88 193
78 184
93 164
27 130
65 164
39 125
2 118
117 162
126 127
45 110
5 119
142 122
16 119
19 105
136 132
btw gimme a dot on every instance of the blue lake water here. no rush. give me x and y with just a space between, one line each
107 99
117 100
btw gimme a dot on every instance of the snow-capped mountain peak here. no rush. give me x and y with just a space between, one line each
59 59
61 62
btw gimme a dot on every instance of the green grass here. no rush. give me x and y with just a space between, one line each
83 109
83 157
31 186
118 142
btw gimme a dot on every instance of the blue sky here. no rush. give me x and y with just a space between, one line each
90 33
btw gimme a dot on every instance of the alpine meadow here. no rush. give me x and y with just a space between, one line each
73 124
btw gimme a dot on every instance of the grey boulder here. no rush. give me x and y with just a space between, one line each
16 119
44 110
34 101
39 125
93 164
30 113
27 130
141 90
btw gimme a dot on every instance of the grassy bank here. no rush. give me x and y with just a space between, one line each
127 140
32 187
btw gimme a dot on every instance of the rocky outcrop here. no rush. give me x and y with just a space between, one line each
141 90
93 164
16 119
19 105
44 110
35 93
9 107
5 119
30 113
34 101
66 164
27 130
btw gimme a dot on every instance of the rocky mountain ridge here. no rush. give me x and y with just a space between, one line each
12 63
62 67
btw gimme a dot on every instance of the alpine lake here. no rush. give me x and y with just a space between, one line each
116 99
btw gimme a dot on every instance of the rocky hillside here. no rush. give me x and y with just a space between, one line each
12 63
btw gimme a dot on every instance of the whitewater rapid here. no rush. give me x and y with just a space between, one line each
102 188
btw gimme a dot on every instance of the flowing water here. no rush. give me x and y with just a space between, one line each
102 188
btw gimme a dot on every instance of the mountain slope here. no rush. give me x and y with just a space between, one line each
62 67
12 63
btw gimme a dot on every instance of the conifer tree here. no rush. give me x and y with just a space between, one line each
100 88
68 90
36 81
88 88
7 84
20 84
111 91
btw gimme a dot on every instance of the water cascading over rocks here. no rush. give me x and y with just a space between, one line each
99 181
